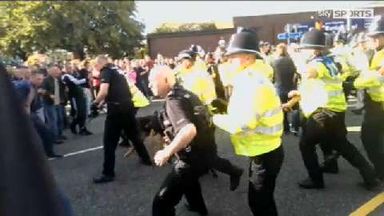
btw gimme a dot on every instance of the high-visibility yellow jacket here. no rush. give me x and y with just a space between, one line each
197 80
332 86
254 118
138 98
372 80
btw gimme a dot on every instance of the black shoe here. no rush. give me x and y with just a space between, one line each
372 186
235 180
85 132
295 132
309 184
73 128
330 169
58 142
103 179
55 156
62 137
146 162
203 212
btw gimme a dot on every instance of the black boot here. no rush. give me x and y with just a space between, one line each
310 184
202 212
235 180
103 179
85 132
73 127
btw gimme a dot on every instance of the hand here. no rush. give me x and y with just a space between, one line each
161 157
381 71
94 110
166 140
286 107
293 93
41 91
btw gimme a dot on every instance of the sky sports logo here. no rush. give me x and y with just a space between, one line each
347 13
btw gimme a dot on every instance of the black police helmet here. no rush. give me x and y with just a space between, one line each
194 48
376 28
340 37
244 41
186 54
313 39
328 40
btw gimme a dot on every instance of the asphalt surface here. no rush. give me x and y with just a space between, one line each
132 192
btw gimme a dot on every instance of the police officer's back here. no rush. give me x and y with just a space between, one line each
115 91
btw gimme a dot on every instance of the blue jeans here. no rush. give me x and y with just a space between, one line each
45 134
54 118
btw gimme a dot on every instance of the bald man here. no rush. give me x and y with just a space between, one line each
115 92
190 141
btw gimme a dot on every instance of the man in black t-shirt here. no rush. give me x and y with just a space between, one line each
192 143
115 92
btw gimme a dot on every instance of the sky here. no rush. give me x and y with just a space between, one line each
154 13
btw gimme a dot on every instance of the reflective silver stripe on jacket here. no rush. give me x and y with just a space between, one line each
269 113
269 130
335 93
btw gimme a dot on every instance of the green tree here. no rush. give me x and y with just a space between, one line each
97 26
186 27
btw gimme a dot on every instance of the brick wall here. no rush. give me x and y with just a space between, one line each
169 45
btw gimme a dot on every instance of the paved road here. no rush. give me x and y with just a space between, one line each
132 192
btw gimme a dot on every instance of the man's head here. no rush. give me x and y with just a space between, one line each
312 43
186 58
100 62
265 47
376 33
54 71
37 78
161 80
243 48
22 72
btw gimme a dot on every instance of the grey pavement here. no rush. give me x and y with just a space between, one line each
132 192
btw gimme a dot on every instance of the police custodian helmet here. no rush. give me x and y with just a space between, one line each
313 39
186 54
244 41
376 28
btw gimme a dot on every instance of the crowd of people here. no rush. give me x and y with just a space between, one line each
249 88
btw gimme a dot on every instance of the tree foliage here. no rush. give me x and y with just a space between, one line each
97 26
186 27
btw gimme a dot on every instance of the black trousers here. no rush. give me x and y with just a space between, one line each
329 127
114 124
79 106
46 135
221 164
182 180
372 134
263 171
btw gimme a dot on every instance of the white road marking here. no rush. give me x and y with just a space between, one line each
354 128
80 152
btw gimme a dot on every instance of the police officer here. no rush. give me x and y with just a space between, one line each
372 131
255 120
323 103
120 116
192 144
362 56
343 55
193 78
